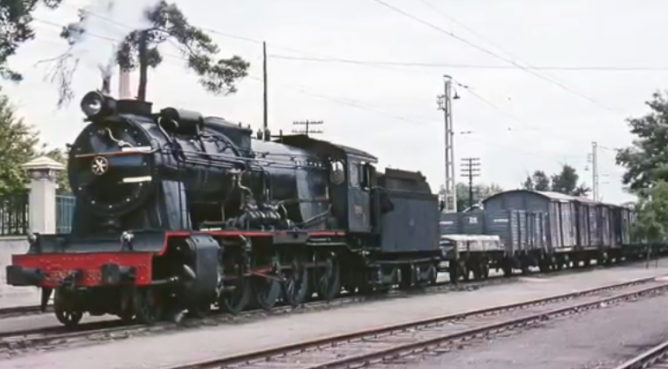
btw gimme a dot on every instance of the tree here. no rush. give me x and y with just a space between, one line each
565 182
18 144
652 214
140 49
646 160
538 181
15 19
480 192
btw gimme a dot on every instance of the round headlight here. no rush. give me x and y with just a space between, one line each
95 103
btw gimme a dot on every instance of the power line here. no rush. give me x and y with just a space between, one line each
106 19
470 170
468 66
347 102
491 53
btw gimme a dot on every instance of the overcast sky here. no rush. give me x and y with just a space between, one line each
519 119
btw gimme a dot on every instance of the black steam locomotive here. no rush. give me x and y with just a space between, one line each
178 210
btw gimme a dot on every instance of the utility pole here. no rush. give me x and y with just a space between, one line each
265 122
594 170
470 169
445 104
307 124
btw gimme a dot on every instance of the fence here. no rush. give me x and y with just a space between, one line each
64 213
14 215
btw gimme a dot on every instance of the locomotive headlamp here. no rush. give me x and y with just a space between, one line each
96 104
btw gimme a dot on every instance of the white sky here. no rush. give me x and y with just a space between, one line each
519 121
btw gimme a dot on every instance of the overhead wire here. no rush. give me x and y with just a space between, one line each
247 39
493 54
468 66
299 89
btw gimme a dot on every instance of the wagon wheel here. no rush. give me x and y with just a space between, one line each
147 305
296 286
65 312
328 282
484 270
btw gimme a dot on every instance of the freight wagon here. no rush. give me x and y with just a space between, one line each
578 230
520 234
541 229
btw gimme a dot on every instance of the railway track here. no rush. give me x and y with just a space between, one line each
115 329
438 334
654 358
12 312
52 336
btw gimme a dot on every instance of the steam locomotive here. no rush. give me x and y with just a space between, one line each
175 210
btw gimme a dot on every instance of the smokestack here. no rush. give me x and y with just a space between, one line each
106 80
124 85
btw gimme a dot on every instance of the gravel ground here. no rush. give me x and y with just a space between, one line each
598 339
188 346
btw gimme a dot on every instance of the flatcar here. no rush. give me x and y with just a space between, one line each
175 210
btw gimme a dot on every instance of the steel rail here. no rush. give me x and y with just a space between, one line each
656 357
283 353
29 338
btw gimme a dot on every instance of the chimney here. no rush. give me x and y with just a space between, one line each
106 80
124 85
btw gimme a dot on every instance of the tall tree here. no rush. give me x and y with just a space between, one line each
652 213
645 161
565 181
140 49
538 181
19 143
15 29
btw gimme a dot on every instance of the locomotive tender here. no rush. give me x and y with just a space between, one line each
175 210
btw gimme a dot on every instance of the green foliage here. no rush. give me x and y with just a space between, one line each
140 49
19 143
646 161
480 192
565 182
652 214
15 19
539 181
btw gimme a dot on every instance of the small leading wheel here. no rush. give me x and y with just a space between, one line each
328 282
69 318
65 309
147 305
296 286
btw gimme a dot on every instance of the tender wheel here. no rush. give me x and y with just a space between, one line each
328 282
296 286
65 311
147 305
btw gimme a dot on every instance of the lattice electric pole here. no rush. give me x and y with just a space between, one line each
307 124
470 169
445 104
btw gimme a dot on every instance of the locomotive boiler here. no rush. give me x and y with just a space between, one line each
175 210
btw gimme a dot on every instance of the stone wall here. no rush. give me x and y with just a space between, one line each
43 173
14 296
